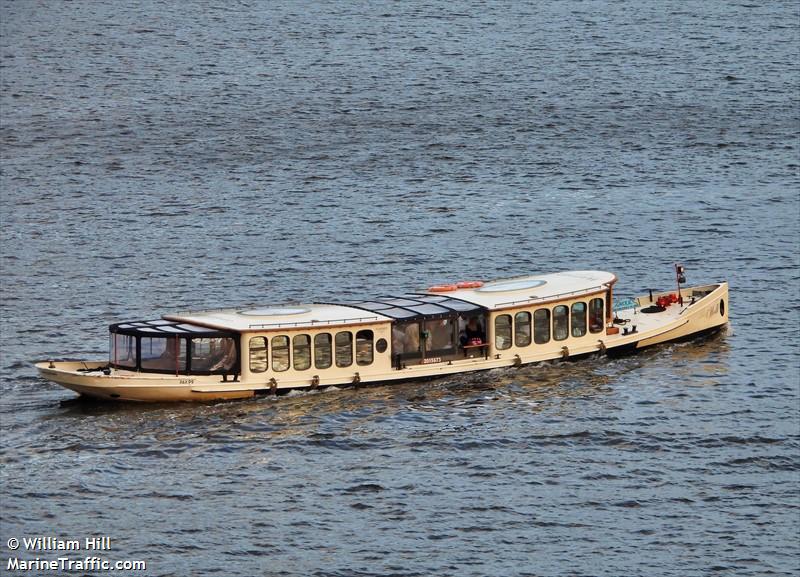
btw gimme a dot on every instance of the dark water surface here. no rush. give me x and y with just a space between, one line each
180 155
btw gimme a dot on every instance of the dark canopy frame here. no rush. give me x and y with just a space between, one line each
416 307
421 310
181 337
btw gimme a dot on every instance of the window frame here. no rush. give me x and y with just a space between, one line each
275 348
317 348
251 349
548 324
295 354
518 324
114 349
337 346
451 333
371 341
192 370
597 328
401 335
566 320
510 338
183 348
576 316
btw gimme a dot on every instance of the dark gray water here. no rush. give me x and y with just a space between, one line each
175 155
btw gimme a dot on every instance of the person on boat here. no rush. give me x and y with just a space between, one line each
473 333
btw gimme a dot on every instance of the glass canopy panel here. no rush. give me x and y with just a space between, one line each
374 306
398 313
406 307
461 305
429 309
400 302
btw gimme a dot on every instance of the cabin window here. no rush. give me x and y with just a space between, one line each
578 319
541 326
344 349
405 339
322 351
301 352
560 322
441 336
596 316
381 345
502 332
214 354
258 354
522 329
163 354
123 350
280 353
364 354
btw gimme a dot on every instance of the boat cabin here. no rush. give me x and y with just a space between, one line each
162 346
329 342
430 328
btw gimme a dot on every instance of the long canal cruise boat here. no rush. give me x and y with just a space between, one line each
444 330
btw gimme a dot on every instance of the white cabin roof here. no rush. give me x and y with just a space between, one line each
498 294
505 293
279 317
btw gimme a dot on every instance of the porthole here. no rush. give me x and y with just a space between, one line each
722 307
380 345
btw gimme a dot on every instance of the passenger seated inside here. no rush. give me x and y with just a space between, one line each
473 333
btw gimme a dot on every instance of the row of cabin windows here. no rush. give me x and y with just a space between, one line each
299 354
563 317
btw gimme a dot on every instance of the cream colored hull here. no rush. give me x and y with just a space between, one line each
676 323
131 386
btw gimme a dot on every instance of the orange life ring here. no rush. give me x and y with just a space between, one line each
470 284
442 288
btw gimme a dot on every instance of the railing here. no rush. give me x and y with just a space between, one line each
233 309
552 297
314 322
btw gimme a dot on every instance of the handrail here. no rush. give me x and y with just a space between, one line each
314 322
549 297
234 309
